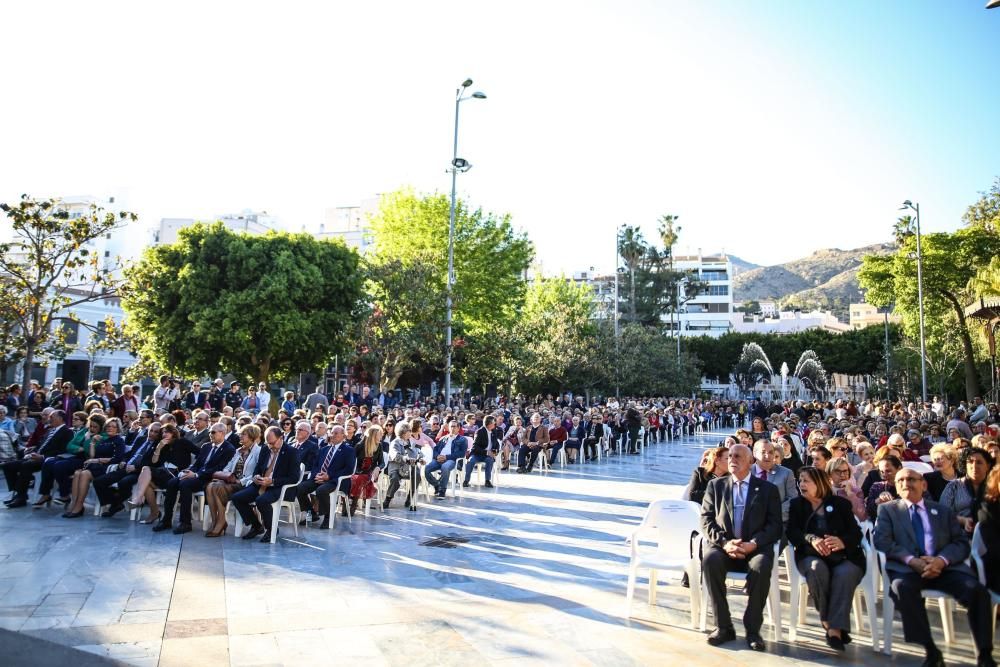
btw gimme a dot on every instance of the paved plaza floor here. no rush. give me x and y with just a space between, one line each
533 572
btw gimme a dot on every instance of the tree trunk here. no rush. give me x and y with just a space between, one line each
972 388
631 297
29 363
264 370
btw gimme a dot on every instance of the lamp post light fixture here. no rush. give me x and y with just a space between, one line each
920 302
993 4
457 165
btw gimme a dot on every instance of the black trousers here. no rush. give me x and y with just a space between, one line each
20 473
526 456
322 492
251 495
905 591
185 488
396 478
104 486
716 563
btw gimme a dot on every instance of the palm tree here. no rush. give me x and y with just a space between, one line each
903 229
669 231
632 248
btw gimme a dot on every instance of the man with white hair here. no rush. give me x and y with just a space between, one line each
741 522
305 445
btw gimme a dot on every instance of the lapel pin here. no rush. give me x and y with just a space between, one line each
934 512
829 508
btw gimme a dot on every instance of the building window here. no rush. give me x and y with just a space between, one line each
71 328
101 373
715 290
714 275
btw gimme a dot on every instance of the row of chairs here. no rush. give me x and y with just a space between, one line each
674 526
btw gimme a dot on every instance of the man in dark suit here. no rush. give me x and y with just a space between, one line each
925 548
277 465
335 460
305 444
741 521
485 446
114 487
195 399
198 433
447 452
212 458
57 437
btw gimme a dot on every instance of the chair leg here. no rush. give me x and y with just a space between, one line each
794 592
652 587
630 591
888 610
947 620
695 596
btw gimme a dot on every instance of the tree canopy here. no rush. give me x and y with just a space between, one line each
258 306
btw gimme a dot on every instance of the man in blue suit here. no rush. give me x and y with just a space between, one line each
926 548
335 460
447 452
277 465
212 458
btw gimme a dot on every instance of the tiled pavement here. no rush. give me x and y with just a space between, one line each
535 575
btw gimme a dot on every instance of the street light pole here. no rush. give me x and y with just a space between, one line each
920 304
457 165
888 356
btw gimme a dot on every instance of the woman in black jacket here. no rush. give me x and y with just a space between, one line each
714 464
989 529
172 454
827 543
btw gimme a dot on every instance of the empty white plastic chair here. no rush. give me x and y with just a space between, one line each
668 523
291 505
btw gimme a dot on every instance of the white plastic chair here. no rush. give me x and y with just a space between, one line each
773 597
291 505
978 551
945 603
336 497
668 523
919 466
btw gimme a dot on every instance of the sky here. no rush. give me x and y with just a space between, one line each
773 128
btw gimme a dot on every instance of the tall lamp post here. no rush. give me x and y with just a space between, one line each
457 165
920 302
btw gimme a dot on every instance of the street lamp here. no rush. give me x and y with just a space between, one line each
920 302
993 4
457 165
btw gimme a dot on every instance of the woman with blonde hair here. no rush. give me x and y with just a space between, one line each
237 474
100 456
944 458
369 456
866 453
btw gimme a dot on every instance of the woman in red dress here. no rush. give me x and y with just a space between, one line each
369 455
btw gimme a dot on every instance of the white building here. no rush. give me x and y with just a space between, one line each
246 222
790 322
709 313
350 224
769 308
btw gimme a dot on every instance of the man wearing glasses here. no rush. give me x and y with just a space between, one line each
195 399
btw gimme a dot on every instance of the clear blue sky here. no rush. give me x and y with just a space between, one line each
772 128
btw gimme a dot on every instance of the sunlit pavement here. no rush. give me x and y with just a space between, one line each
533 572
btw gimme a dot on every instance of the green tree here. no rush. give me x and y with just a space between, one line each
404 319
48 268
558 318
258 306
490 260
647 364
985 213
950 263
633 250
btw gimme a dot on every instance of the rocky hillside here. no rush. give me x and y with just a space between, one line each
826 279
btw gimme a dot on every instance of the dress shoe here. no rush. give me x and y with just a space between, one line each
520 471
265 538
845 636
933 659
721 636
986 661
756 642
161 526
255 531
489 485
113 510
465 485
149 520
73 515
836 643
44 501
182 528
325 525
18 502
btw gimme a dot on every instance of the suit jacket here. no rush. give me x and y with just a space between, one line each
198 438
541 435
458 448
286 470
782 478
57 443
484 441
341 464
193 400
894 535
840 522
761 514
307 451
74 405
211 460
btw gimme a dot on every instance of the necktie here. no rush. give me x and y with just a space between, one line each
763 475
48 437
270 465
738 506
918 529
139 454
326 461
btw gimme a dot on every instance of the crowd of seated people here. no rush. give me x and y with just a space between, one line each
821 465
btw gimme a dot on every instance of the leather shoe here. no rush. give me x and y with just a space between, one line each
111 511
182 528
756 642
845 636
986 661
254 531
489 485
721 636
18 502
325 525
466 485
934 658
836 643
161 526
266 537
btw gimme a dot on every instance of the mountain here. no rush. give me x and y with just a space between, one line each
741 265
825 280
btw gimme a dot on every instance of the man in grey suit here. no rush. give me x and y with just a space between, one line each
741 521
766 468
925 548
